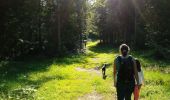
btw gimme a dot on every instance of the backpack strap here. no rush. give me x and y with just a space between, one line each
118 62
119 59
130 57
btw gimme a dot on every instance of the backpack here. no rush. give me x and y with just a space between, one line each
126 70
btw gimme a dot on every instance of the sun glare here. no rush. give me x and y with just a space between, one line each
91 1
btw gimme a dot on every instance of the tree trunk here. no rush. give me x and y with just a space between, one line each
59 27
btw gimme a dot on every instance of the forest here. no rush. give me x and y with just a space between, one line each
54 49
48 27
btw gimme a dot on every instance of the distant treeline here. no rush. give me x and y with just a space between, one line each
55 27
31 27
139 23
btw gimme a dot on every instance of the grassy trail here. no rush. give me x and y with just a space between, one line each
75 77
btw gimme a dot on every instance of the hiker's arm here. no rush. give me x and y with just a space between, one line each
136 72
114 72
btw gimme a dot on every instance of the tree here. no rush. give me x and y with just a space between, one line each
36 27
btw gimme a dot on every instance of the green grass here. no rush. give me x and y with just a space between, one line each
58 78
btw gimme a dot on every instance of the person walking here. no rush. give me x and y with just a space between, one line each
125 74
141 80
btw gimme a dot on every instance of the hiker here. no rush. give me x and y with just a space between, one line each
141 79
125 74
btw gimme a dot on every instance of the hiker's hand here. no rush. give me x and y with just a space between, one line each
139 86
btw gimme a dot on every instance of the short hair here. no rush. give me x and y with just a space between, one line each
124 47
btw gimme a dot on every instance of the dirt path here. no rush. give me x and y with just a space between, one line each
91 96
94 70
94 95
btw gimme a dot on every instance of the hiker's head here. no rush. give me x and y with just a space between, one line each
124 49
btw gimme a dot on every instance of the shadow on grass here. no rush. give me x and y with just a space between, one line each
103 48
15 74
145 56
148 60
72 59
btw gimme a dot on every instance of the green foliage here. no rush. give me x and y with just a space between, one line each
140 24
156 13
41 27
54 27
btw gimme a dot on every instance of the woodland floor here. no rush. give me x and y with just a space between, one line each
78 77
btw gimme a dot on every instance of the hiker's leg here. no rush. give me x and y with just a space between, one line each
128 96
136 97
120 91
128 92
